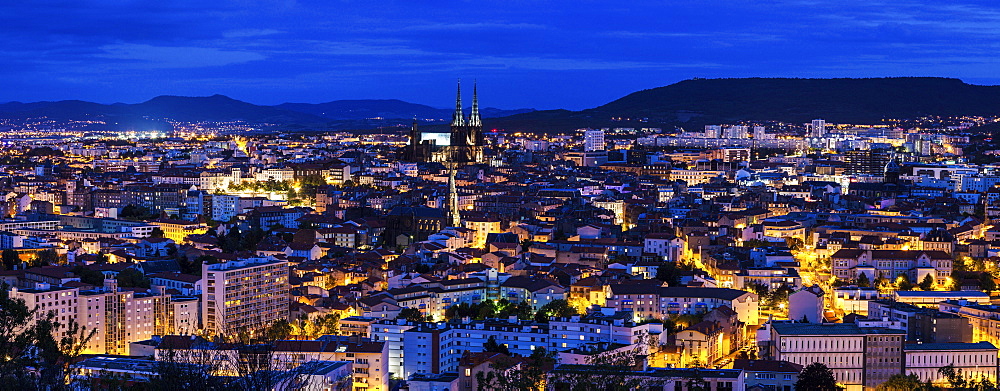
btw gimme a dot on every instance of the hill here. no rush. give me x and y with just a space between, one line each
217 108
343 114
690 104
697 102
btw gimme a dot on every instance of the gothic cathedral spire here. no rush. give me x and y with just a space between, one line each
458 119
474 119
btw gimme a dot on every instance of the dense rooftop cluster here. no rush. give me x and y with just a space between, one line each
734 257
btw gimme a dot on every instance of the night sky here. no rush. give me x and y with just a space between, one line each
539 54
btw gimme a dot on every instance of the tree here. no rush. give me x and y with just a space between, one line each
156 233
669 273
903 283
88 276
958 381
986 282
900 382
492 345
794 243
927 283
611 371
558 308
305 328
529 377
45 258
411 314
33 357
132 278
863 281
10 259
696 382
817 377
136 213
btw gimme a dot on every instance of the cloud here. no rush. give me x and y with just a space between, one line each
248 33
149 56
567 64
474 26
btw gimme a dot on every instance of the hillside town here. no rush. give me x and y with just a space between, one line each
730 259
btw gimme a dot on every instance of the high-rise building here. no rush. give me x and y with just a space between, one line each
869 161
713 131
760 133
593 140
245 294
735 132
817 128
117 317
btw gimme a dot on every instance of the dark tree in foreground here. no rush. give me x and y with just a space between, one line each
610 371
132 278
10 259
863 281
901 382
558 308
927 283
33 356
411 314
958 381
816 377
530 376
492 345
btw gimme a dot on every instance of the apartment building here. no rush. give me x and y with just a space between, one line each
118 317
652 301
244 294
985 319
438 347
915 264
607 326
923 325
975 360
860 358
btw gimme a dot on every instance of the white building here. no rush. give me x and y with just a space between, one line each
806 303
593 140
975 360
225 207
860 358
817 128
248 293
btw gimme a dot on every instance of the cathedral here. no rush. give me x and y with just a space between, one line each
465 145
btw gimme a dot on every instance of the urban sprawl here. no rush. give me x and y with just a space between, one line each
738 257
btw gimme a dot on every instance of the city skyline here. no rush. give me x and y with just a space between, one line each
571 56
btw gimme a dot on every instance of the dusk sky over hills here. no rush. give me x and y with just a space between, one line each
552 54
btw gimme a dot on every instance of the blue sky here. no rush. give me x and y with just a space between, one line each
540 54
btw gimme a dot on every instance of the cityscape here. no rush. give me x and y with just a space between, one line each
800 231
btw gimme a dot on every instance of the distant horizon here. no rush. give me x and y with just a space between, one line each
467 94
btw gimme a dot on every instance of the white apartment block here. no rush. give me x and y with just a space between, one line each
593 140
860 358
118 317
391 332
275 174
975 360
438 347
244 294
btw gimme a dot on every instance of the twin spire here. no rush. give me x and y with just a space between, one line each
458 118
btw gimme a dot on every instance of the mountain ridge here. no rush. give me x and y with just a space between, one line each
689 104
696 102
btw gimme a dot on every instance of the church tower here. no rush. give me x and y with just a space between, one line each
891 171
458 129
